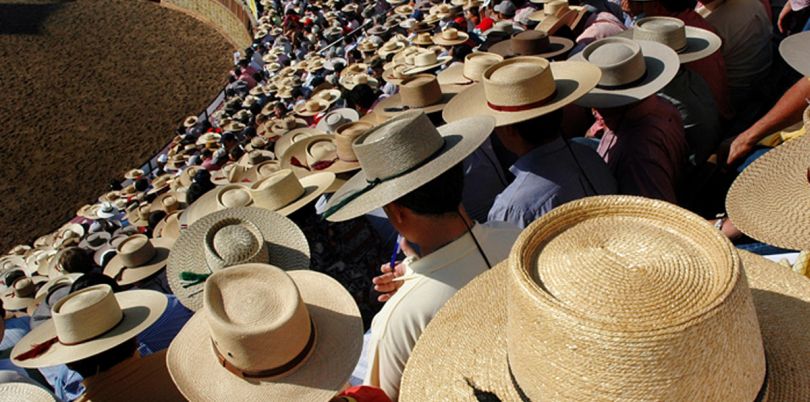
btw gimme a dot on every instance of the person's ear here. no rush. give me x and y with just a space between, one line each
395 213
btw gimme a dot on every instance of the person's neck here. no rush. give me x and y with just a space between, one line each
439 232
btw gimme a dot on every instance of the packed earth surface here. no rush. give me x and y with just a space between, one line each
91 89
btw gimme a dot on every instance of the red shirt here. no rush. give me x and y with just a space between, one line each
485 25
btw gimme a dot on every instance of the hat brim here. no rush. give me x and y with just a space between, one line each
395 102
13 303
795 50
130 275
346 113
141 308
662 65
416 70
24 391
453 76
477 332
437 39
557 46
337 349
700 43
288 139
572 79
461 138
768 199
287 247
298 150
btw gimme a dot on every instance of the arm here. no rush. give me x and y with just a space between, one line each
787 111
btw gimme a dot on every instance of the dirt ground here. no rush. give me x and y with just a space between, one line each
88 90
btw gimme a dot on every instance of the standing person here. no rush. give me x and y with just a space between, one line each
420 192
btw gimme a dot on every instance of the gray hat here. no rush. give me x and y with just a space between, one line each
506 8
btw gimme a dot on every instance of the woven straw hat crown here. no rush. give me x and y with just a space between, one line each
24 288
519 82
277 190
234 195
420 90
345 136
86 314
666 30
135 251
321 149
477 62
256 317
620 60
233 241
556 7
655 302
412 137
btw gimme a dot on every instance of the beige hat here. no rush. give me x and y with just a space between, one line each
778 178
404 9
426 60
355 68
138 258
48 286
285 193
293 136
423 39
138 215
523 88
691 43
88 322
260 170
460 76
351 81
166 202
423 153
418 92
795 50
367 46
394 73
168 227
620 298
160 183
631 70
22 295
329 96
283 126
230 237
336 118
533 43
450 37
23 391
390 47
267 334
557 14
317 154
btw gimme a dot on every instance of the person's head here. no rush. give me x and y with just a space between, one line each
93 279
154 219
522 137
235 153
75 260
228 140
647 8
505 10
437 199
362 97
141 184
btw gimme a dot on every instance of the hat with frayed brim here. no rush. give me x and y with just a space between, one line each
138 257
631 70
523 88
795 49
768 199
619 298
424 152
691 43
100 321
230 237
299 347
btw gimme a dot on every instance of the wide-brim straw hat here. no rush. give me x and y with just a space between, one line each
556 45
460 76
169 227
292 137
286 247
133 174
53 283
299 152
660 66
119 270
139 310
23 391
696 44
345 115
571 80
619 298
443 38
795 50
335 349
768 199
409 134
14 300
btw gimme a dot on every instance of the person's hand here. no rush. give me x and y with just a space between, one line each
385 283
786 10
740 148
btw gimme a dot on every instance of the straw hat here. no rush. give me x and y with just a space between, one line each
367 47
390 47
133 174
231 237
284 193
139 216
22 295
86 323
689 42
533 43
23 391
255 157
160 183
317 154
329 96
168 227
351 81
404 9
460 76
795 50
631 70
354 68
293 136
523 88
619 298
423 153
260 170
777 178
450 37
418 92
95 241
336 118
424 61
190 121
315 65
557 14
286 124
395 74
276 335
51 285
311 108
378 30
138 258
423 39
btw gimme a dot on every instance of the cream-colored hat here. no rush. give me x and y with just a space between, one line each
138 257
230 237
691 43
284 193
139 215
86 323
619 299
418 92
329 96
283 126
523 88
351 81
450 37
169 227
317 154
423 153
631 70
460 76
292 137
24 391
22 295
133 174
426 60
533 43
266 334
336 118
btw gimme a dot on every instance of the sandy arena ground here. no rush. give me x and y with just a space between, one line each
90 89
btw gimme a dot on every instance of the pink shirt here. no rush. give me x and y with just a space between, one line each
599 26
647 150
711 68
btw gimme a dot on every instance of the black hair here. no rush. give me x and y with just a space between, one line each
540 130
75 260
439 196
154 219
13 276
362 95
105 360
93 279
141 184
676 6
236 153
